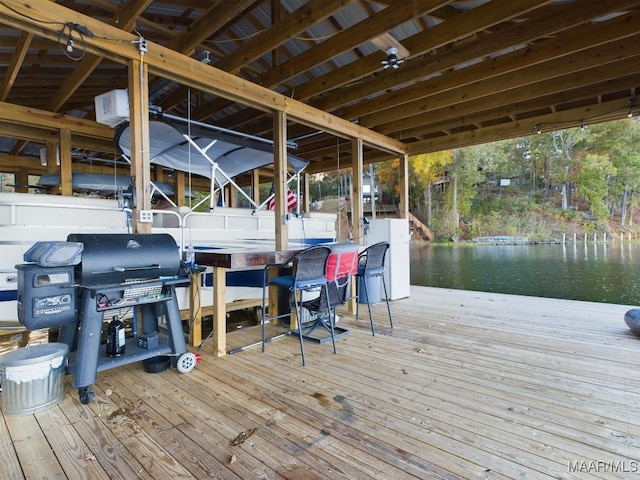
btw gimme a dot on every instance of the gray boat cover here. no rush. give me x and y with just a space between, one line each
103 184
233 155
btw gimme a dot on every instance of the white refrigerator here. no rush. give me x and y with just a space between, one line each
396 232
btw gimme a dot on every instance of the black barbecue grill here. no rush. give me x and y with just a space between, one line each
109 259
113 271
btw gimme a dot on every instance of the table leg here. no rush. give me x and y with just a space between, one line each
195 310
351 303
279 300
219 311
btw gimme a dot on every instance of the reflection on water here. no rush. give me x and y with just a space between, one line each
598 272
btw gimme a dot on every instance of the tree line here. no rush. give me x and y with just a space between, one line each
589 176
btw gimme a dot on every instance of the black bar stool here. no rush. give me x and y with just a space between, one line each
309 274
371 265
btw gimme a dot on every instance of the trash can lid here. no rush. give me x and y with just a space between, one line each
33 354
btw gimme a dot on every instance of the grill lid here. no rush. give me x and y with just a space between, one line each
124 258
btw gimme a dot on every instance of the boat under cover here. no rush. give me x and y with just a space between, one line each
101 184
193 149
28 218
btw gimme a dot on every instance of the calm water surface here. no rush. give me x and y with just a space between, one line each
597 272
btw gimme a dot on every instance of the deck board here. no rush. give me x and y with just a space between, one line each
467 385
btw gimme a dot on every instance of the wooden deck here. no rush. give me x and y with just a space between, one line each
469 385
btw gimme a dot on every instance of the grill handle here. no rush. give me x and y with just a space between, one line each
133 269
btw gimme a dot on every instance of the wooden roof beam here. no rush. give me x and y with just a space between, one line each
569 118
206 24
291 25
485 16
124 19
548 92
542 23
121 47
350 38
272 37
342 41
547 59
21 48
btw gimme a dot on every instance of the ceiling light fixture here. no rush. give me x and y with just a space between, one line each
392 60
632 103
68 45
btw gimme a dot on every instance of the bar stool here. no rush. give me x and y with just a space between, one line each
342 265
371 265
309 274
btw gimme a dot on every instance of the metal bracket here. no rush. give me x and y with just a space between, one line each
142 46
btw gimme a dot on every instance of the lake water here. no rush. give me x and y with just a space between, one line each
607 272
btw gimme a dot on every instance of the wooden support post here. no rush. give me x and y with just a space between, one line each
280 179
179 188
358 210
139 127
66 187
219 312
306 198
53 157
255 186
403 211
22 180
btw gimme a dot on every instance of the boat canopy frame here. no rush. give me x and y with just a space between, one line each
221 158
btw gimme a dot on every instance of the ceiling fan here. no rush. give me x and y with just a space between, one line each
392 60
396 53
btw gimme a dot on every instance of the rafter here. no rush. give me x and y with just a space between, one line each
553 57
475 70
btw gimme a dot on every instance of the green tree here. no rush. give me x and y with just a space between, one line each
465 175
620 142
591 182
559 152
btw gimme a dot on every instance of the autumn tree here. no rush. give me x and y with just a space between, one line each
425 170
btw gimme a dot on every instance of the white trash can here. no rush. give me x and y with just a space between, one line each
32 378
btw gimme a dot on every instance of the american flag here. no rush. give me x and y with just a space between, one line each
292 201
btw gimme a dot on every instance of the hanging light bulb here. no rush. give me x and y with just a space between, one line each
632 102
67 41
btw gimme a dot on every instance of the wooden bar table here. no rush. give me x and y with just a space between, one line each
225 259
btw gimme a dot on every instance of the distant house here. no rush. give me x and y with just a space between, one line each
366 188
